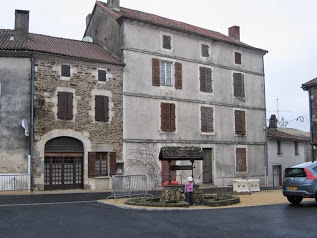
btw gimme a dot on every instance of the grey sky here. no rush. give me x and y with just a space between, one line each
286 28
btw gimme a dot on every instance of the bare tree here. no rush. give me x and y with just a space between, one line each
145 158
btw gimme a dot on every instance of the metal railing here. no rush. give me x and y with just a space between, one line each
128 186
14 182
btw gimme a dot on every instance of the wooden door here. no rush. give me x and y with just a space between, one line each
207 166
277 175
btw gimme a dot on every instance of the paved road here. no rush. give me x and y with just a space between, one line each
93 219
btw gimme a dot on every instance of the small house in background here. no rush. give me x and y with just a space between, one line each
286 147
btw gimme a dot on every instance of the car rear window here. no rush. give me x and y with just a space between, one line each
295 172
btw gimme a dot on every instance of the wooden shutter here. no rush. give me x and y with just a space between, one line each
65 105
240 122
102 75
165 116
101 108
113 163
173 117
178 75
237 58
241 159
65 70
202 79
207 119
91 164
238 85
204 50
156 72
209 80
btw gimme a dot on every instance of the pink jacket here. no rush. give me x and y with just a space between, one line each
189 187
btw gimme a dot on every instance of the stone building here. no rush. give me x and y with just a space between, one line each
186 86
70 91
286 147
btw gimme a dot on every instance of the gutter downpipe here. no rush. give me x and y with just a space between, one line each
266 172
30 159
311 124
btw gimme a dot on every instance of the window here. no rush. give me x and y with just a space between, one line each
166 73
98 164
239 122
237 58
65 71
101 108
241 160
279 147
162 73
296 147
102 75
204 50
207 119
168 117
167 42
65 105
205 79
238 85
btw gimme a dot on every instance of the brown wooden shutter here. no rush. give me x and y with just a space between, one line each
113 163
91 164
156 72
237 58
209 80
173 117
167 42
241 159
202 79
203 111
240 122
165 116
62 105
69 106
238 85
178 75
210 119
207 119
101 108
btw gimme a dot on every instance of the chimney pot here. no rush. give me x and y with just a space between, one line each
21 25
114 4
234 32
273 122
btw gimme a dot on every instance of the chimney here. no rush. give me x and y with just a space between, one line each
114 4
21 30
273 122
234 32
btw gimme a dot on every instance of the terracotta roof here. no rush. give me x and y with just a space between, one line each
287 134
309 84
56 46
173 24
181 153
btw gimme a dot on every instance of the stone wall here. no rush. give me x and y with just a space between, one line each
83 83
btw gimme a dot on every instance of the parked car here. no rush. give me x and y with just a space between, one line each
300 181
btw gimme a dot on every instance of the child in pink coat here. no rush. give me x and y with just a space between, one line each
189 189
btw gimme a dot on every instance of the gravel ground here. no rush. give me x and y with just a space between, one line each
262 198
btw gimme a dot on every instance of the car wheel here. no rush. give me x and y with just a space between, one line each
294 199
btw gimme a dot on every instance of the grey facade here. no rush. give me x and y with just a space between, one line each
138 41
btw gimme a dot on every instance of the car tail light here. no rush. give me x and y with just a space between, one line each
309 174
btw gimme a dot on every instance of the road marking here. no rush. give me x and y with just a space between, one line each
48 203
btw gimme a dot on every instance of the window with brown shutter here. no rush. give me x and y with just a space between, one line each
279 147
65 70
112 163
240 122
97 164
168 116
238 85
207 119
156 72
241 159
101 108
205 79
178 75
167 42
237 58
102 75
65 105
204 50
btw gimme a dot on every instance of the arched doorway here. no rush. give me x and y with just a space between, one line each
63 165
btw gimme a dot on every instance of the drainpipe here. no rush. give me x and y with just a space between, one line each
311 124
31 155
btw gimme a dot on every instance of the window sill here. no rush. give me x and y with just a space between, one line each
102 177
208 133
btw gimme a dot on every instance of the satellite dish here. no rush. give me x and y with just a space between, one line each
25 124
88 39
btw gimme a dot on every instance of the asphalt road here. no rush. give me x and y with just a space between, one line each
49 216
